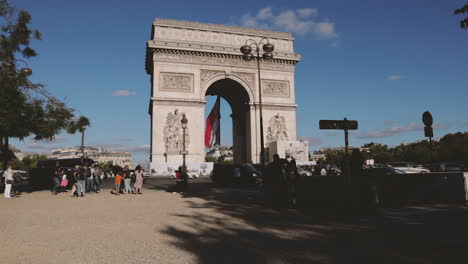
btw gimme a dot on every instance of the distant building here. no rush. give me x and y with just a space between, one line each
120 158
322 152
221 152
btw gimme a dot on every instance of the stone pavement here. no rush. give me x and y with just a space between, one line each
211 225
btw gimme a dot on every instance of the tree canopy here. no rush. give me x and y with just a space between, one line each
26 108
463 22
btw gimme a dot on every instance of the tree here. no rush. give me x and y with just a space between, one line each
464 22
26 108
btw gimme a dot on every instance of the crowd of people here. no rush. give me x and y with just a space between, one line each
88 179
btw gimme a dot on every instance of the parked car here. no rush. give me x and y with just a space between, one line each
229 174
303 172
408 167
383 171
451 167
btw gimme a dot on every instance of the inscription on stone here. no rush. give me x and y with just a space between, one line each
176 82
275 88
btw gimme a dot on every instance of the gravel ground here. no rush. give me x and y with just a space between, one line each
211 225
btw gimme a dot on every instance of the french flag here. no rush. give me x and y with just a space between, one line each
213 126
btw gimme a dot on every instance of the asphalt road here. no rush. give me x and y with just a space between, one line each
213 225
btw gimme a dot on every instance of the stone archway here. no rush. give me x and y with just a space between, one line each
238 99
187 61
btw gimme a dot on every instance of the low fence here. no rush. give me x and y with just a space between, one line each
384 190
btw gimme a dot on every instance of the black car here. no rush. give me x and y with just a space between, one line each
235 174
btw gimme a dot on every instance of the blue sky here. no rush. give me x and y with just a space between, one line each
382 63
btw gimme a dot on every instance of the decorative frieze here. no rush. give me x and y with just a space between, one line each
178 82
275 88
215 60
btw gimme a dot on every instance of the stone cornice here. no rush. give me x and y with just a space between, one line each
223 28
201 47
214 59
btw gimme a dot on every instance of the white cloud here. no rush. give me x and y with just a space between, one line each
312 141
123 93
301 21
394 77
391 131
142 148
307 12
325 30
265 13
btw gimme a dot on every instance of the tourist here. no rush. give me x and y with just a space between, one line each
56 178
8 174
292 179
64 183
138 179
89 179
97 178
275 182
118 182
80 175
72 180
127 179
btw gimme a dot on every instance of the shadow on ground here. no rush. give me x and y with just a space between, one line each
239 228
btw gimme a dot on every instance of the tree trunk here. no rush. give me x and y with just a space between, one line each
5 152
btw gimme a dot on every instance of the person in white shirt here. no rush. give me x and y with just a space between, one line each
8 174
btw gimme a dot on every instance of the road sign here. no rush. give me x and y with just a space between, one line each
183 152
338 124
427 119
428 132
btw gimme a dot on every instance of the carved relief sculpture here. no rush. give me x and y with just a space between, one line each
173 133
176 82
206 75
277 129
275 88
249 78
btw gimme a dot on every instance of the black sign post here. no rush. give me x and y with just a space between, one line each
345 125
428 132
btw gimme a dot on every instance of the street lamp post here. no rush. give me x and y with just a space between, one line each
183 122
248 56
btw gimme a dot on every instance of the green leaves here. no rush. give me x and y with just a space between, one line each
26 108
464 22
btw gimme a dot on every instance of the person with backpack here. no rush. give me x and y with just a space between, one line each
81 175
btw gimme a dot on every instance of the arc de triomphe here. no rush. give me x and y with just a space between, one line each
188 61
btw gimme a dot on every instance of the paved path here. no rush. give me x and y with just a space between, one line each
211 225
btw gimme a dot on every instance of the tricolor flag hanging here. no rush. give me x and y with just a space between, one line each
213 126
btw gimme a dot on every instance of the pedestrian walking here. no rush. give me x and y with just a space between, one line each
56 178
138 179
8 174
